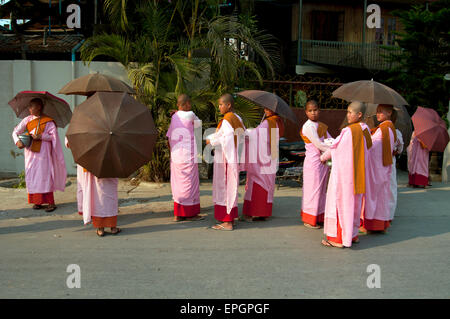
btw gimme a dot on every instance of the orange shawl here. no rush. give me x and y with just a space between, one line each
234 122
36 144
359 168
387 152
321 131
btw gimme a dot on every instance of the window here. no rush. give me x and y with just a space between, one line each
327 25
379 33
391 28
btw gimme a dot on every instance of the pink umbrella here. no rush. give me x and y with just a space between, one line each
430 129
54 107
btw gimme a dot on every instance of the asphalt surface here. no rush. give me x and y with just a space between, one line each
154 257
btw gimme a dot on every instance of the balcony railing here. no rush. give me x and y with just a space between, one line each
347 54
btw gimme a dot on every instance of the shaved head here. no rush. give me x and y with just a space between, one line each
184 102
311 103
358 107
227 98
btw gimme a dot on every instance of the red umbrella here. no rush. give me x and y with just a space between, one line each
430 129
54 107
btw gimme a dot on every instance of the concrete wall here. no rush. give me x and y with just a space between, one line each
51 76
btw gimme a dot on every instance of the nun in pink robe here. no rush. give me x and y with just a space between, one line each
100 200
184 178
261 166
343 203
45 171
377 213
315 173
227 166
418 157
398 149
79 185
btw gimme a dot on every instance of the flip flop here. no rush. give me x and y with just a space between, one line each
195 218
50 209
35 206
311 226
220 227
179 220
327 243
116 232
100 234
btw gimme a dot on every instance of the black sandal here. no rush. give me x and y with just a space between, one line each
36 206
118 230
50 208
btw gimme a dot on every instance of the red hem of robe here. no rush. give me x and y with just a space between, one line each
80 213
185 210
311 219
220 213
41 198
375 224
100 222
258 205
417 179
338 239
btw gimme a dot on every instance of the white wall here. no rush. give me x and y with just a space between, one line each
446 159
51 76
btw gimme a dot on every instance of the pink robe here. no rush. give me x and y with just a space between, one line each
45 171
343 207
261 170
99 197
226 170
79 184
184 178
398 147
377 212
315 176
418 158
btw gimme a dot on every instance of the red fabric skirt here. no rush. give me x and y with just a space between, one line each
258 205
375 224
338 239
185 211
41 198
100 222
220 213
418 180
311 219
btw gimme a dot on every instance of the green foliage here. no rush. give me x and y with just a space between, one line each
21 183
300 99
425 57
183 47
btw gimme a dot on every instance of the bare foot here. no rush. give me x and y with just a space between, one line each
178 219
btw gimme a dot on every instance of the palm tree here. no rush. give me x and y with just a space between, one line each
158 51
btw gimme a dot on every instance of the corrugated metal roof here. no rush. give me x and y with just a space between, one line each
35 43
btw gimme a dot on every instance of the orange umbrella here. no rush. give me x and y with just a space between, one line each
430 129
111 134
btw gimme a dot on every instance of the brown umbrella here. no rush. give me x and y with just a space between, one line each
271 101
96 82
369 92
111 134
430 129
54 107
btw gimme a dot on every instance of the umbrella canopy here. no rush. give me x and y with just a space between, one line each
430 129
271 101
111 134
95 82
369 92
54 107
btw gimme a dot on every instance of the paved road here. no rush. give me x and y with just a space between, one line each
156 258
